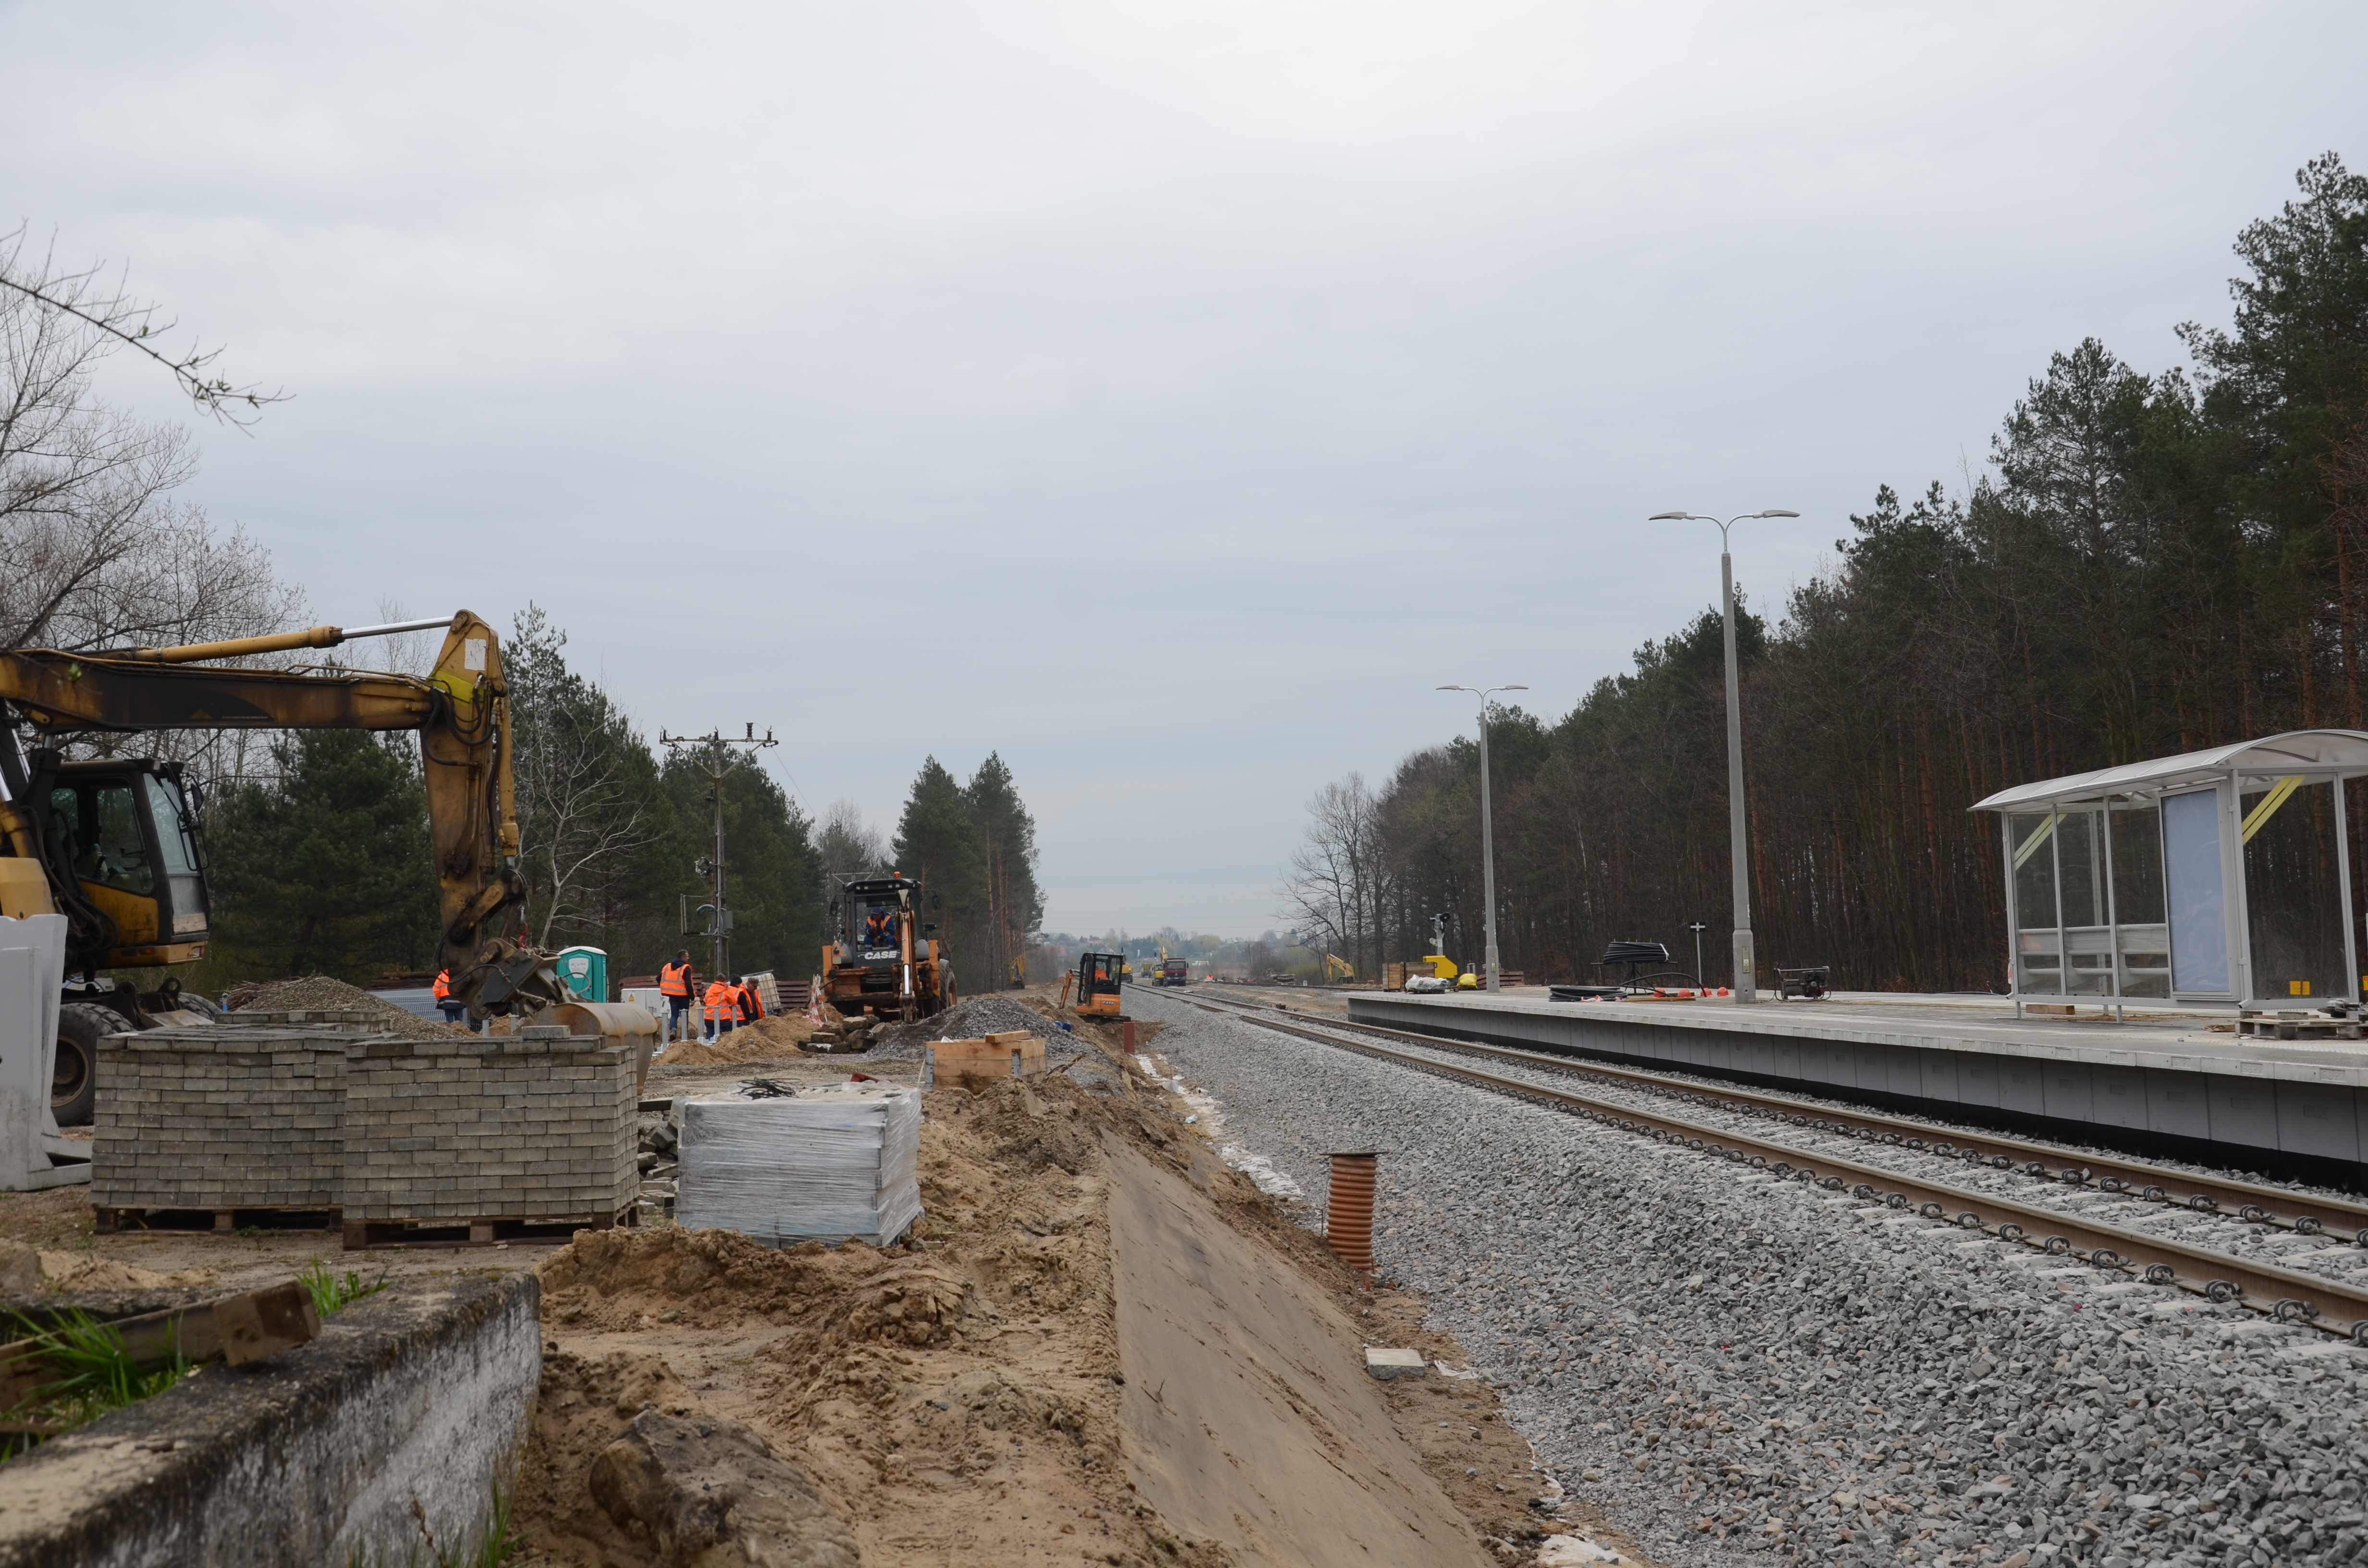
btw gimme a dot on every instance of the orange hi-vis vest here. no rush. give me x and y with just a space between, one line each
718 1001
674 980
443 985
752 1006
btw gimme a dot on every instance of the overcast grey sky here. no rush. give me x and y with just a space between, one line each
1166 397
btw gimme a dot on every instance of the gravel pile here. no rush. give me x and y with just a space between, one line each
964 1020
319 992
1720 1361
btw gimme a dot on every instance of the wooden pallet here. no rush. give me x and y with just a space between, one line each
441 1231
218 1221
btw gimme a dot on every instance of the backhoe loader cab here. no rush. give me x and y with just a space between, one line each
886 958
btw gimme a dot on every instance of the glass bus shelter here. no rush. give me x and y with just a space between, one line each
2221 876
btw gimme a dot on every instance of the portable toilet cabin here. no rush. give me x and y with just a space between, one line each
585 972
2221 876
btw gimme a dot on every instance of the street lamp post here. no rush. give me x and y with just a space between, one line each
1744 972
1487 831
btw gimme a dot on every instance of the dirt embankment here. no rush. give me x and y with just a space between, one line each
962 1398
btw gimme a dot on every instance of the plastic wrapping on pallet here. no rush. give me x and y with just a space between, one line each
830 1162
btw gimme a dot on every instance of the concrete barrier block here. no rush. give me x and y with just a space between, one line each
315 1456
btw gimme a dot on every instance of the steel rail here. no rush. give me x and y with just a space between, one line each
2285 1294
2306 1214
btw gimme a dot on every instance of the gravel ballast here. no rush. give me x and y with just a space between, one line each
1720 1361
969 1019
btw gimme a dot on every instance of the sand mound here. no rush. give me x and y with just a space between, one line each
319 992
767 1040
627 1279
81 1271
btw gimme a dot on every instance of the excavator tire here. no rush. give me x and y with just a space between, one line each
74 1084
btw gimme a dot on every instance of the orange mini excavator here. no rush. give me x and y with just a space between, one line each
1096 981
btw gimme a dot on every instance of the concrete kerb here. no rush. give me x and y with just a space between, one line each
420 1394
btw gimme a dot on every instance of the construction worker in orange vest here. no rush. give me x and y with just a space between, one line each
444 1003
752 1006
675 982
718 1002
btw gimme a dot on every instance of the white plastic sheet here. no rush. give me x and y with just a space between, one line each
831 1162
32 966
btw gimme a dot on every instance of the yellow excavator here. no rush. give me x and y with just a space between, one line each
112 845
1095 982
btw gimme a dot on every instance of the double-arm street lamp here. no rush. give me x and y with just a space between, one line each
1487 834
1745 987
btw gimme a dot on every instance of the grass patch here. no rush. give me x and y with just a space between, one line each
331 1290
95 1374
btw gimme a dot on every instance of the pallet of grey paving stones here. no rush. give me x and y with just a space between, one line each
446 1231
2263 1023
246 1217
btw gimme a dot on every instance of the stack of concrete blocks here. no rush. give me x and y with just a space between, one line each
826 1162
245 1114
537 1125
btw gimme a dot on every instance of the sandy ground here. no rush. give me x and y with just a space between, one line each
967 1397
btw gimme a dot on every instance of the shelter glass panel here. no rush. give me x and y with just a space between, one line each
2194 898
2080 879
2292 900
2143 936
2038 942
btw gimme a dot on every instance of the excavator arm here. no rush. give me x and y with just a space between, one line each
460 709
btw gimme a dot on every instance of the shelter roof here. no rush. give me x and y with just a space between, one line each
2307 752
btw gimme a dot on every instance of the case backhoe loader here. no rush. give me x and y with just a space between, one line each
112 845
879 964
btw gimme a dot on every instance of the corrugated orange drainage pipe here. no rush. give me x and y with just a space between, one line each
1349 1214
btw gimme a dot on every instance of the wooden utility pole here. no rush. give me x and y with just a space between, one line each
720 761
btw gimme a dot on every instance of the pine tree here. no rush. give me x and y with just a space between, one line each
328 868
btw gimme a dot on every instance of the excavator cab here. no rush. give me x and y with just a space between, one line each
124 829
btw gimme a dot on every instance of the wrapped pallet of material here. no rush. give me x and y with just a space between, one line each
827 1163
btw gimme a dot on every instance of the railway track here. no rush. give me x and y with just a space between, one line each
2287 1294
2251 1202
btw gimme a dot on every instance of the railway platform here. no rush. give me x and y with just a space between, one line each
2165 1081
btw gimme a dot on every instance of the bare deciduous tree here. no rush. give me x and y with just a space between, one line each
94 552
586 783
1337 883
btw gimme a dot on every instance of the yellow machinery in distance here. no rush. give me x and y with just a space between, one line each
112 845
1335 965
